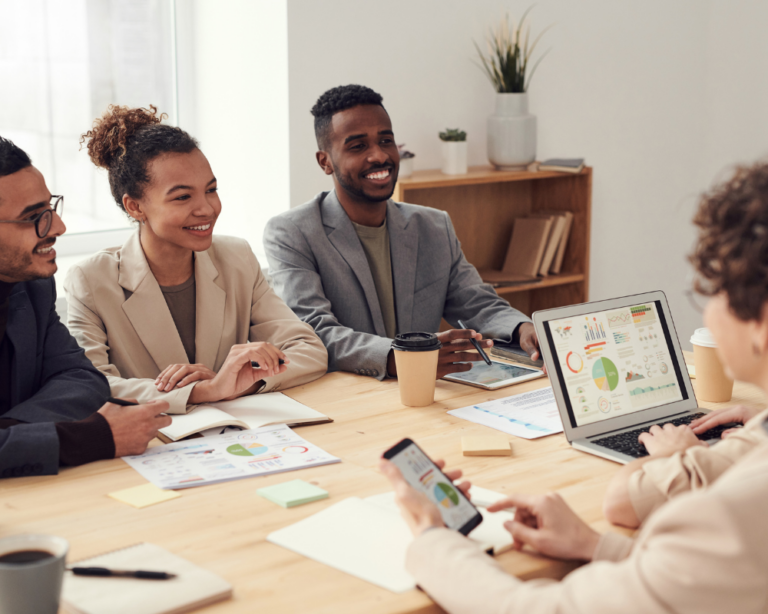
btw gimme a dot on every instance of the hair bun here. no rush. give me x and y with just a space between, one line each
110 132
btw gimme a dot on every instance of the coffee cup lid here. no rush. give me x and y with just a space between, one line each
703 338
416 342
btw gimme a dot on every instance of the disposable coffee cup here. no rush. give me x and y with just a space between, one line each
416 362
31 573
712 384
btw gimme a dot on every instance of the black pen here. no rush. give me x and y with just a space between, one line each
477 346
255 365
121 402
103 572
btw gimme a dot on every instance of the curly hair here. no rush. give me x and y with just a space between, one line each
12 158
124 141
731 255
339 99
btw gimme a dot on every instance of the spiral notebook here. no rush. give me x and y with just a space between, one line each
192 588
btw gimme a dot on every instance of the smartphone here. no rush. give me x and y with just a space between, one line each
421 473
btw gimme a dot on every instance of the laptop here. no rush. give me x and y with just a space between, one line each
617 369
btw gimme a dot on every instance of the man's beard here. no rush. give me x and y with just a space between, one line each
19 265
359 193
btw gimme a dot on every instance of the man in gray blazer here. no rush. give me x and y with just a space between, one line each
360 267
50 393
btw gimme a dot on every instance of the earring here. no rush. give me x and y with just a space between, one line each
144 222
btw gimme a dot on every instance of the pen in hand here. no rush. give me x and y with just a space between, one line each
103 572
255 365
477 346
121 402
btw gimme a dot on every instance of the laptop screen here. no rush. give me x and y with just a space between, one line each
615 362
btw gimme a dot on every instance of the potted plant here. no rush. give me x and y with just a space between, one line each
454 151
511 129
406 162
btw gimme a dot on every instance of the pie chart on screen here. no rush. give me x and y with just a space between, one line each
605 374
446 495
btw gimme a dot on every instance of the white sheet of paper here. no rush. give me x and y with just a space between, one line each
234 455
529 415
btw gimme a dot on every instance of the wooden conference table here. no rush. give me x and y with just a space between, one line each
224 527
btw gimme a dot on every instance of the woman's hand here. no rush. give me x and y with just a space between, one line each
418 511
670 439
237 376
546 523
178 376
739 413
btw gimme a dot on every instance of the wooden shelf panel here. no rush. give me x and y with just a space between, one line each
547 282
476 175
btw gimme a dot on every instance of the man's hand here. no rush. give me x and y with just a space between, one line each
236 376
454 356
739 413
546 523
418 511
528 340
668 440
133 427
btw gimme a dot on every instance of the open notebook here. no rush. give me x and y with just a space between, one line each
368 538
193 588
249 412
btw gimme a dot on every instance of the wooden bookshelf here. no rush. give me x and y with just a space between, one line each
483 205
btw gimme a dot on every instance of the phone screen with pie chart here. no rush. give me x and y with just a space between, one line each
421 473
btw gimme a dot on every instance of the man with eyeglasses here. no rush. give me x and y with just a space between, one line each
52 399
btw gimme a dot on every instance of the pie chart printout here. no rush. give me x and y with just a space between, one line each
446 495
249 449
605 374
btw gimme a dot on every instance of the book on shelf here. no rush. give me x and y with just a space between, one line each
525 252
563 165
557 262
249 412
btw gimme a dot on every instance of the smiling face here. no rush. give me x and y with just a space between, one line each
180 204
363 156
23 255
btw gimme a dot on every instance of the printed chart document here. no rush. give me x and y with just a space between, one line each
231 456
529 415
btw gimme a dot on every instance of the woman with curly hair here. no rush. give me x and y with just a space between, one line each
731 261
177 313
703 551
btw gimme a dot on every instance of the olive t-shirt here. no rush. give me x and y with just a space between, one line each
375 243
181 303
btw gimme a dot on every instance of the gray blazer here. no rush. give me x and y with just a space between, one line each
319 268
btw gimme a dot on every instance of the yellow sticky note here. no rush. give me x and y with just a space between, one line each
495 445
144 495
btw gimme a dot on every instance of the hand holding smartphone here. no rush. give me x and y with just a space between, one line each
421 473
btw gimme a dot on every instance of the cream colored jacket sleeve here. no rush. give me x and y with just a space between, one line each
659 480
705 552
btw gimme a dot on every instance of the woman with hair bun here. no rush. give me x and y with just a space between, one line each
176 313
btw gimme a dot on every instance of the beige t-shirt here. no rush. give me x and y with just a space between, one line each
375 243
181 301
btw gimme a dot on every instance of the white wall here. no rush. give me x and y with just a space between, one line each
233 97
648 93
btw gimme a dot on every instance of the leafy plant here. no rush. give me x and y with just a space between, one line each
454 134
404 153
509 55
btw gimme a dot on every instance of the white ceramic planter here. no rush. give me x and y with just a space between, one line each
454 157
406 168
511 133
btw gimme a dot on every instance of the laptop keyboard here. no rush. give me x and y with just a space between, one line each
627 443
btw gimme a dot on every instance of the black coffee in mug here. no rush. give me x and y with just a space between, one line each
24 557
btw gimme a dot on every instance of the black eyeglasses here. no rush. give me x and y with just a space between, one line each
42 221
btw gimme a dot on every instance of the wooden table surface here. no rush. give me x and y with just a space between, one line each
223 527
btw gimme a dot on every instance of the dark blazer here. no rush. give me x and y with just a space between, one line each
52 381
319 268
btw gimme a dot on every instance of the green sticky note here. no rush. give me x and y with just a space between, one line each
290 494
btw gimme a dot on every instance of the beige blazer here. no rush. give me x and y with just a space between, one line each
659 480
132 340
703 552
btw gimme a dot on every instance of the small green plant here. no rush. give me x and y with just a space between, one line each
453 134
509 54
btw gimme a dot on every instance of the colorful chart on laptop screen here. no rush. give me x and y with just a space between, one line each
605 374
